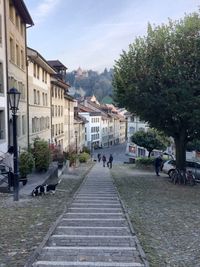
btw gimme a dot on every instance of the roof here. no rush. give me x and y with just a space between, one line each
36 57
56 63
23 11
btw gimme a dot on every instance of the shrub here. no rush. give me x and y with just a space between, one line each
86 150
145 161
26 163
41 154
83 157
72 159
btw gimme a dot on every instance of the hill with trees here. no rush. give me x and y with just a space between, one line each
88 83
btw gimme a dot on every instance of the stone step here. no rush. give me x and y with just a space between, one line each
93 222
96 198
96 210
93 205
91 254
85 264
104 231
96 201
93 215
88 241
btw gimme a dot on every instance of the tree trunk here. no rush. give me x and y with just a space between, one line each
180 152
149 153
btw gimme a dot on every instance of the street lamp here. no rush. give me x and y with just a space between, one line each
13 97
76 134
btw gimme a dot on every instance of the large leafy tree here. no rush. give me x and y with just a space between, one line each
158 78
150 140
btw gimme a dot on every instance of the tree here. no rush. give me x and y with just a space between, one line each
158 78
150 140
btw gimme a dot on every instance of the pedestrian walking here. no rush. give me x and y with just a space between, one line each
158 164
104 160
9 165
110 161
99 157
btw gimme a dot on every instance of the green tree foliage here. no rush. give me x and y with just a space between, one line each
159 80
150 140
41 154
26 163
94 83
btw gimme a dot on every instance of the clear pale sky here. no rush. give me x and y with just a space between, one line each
92 33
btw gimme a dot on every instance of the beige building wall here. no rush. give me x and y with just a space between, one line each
69 130
39 88
3 86
17 71
58 105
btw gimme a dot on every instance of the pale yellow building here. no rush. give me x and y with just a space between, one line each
17 18
69 129
39 88
59 89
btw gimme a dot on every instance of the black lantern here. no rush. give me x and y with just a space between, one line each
13 97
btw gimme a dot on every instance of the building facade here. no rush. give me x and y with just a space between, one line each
39 90
17 18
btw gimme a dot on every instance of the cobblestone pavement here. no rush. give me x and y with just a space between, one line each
165 216
94 231
24 223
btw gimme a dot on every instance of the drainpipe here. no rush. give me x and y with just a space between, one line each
27 86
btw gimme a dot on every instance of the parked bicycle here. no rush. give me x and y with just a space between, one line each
182 177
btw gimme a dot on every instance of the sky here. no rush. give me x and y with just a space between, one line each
92 34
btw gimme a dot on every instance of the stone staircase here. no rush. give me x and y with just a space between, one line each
94 231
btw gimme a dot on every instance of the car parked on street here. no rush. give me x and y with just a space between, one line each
193 166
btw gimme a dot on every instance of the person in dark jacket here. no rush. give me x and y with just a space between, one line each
104 160
109 163
158 164
99 157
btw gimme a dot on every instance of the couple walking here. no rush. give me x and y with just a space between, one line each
109 163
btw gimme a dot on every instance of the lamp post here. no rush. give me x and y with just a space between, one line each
13 97
76 135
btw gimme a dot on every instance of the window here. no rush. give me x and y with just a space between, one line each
43 71
34 96
22 59
43 100
17 55
23 124
2 124
34 69
52 91
38 72
1 78
52 110
46 101
12 50
38 97
17 20
21 27
52 130
11 11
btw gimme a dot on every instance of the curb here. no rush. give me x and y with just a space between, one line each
38 250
